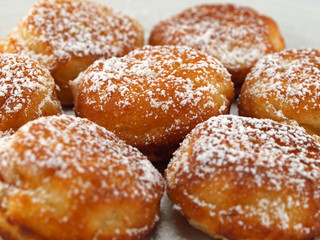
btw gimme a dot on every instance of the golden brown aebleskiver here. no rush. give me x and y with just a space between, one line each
67 36
285 87
154 96
66 178
238 36
27 92
244 178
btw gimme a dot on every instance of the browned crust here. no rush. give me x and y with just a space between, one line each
40 202
156 131
21 102
289 69
170 32
28 37
206 200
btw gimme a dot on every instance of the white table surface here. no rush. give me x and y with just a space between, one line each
299 22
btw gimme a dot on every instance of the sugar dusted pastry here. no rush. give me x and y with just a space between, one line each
285 87
244 178
238 36
27 92
154 96
67 36
67 178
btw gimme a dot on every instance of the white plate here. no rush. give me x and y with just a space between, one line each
299 22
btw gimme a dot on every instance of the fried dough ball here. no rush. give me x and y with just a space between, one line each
238 36
27 92
67 36
243 178
154 96
285 87
67 178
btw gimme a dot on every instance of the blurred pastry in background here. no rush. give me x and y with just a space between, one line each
238 36
67 36
27 92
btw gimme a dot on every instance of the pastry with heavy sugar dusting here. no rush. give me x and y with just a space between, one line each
238 36
285 87
27 92
67 36
154 96
63 177
244 178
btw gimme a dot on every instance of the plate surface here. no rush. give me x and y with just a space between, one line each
298 20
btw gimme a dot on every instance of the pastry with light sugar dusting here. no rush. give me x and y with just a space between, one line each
67 36
244 178
285 87
238 36
27 92
63 177
154 96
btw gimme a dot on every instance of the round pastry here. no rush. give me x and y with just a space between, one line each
285 87
27 91
67 178
154 96
67 36
237 36
243 178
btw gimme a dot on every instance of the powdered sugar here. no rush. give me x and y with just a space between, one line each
93 166
261 154
75 173
75 29
69 146
20 79
290 77
292 150
237 36
161 80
